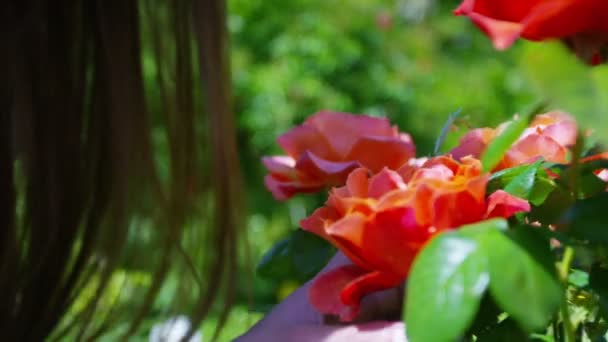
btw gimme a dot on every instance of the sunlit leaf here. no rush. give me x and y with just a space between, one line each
446 284
523 280
522 184
444 131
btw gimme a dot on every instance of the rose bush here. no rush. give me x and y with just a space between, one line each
328 146
583 24
381 222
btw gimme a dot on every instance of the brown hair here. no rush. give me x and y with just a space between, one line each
91 90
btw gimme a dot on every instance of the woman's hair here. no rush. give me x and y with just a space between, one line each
118 165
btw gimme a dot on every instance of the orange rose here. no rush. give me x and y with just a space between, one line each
549 137
328 146
583 24
381 223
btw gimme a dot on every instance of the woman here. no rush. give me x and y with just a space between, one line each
91 90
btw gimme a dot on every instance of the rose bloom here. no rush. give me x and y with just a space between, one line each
549 136
328 146
582 24
382 221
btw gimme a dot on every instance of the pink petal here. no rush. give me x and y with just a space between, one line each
283 165
325 291
342 130
285 189
319 219
503 204
357 183
377 152
502 33
310 166
383 182
304 138
535 146
473 143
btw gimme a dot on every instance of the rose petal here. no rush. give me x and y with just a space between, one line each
504 21
342 130
283 165
310 166
347 234
533 147
357 183
502 33
355 290
304 138
285 189
325 291
503 204
350 228
383 182
320 218
392 240
376 152
558 125
454 209
473 143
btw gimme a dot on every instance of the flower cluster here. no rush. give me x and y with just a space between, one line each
386 204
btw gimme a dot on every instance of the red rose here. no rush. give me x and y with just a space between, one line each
328 146
381 223
583 24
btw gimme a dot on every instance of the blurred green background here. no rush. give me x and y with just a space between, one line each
409 60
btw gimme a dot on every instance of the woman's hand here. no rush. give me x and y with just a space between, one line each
296 320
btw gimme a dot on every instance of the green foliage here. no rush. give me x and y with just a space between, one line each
446 284
452 272
523 279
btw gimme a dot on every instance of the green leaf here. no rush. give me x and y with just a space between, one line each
491 225
578 278
444 131
530 182
543 187
501 144
587 219
299 257
523 280
445 286
522 184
